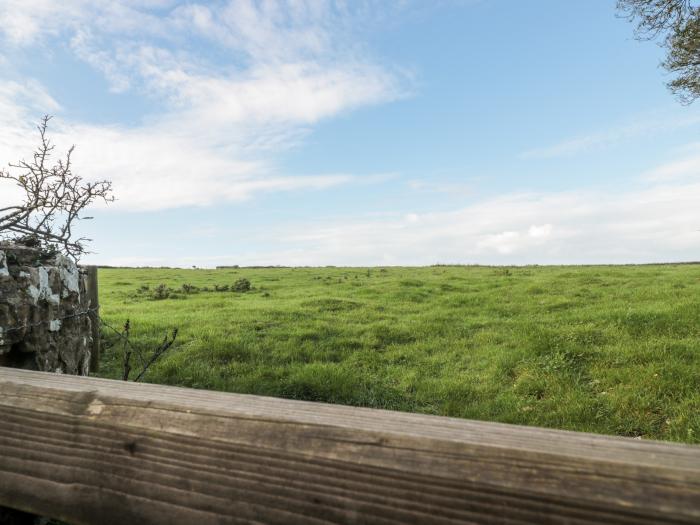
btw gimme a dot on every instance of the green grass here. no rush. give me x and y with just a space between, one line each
613 350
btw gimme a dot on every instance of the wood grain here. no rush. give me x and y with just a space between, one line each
89 450
93 296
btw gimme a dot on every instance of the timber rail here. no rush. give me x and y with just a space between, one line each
97 451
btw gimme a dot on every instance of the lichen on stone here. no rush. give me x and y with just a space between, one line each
4 270
44 321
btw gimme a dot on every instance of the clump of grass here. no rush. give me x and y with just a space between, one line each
332 305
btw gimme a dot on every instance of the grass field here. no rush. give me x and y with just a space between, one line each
605 349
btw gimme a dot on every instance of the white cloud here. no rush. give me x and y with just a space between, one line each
254 28
19 97
101 60
154 167
283 67
542 231
642 127
656 224
22 22
298 93
31 22
686 168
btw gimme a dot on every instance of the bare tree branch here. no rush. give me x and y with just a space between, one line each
54 198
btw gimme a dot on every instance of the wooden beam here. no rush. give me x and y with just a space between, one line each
96 451
94 305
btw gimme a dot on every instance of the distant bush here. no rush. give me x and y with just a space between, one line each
161 292
242 285
189 288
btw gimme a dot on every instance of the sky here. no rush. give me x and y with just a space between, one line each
359 132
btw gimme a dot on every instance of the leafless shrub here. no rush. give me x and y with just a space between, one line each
53 201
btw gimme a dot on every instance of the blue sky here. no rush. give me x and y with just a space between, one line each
358 133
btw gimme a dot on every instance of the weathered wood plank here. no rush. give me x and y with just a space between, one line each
97 451
93 296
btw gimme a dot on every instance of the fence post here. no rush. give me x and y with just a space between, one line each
94 305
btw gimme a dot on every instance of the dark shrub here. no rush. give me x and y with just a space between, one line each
242 285
161 292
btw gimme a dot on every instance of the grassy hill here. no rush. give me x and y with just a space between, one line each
608 349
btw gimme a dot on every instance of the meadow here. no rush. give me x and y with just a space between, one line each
606 349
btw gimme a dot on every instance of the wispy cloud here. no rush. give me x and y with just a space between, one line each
681 169
433 186
649 126
282 67
658 223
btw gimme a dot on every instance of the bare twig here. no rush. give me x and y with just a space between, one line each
54 198
165 345
127 352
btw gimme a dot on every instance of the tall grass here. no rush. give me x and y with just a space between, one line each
614 350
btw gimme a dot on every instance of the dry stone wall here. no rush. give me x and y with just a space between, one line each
44 321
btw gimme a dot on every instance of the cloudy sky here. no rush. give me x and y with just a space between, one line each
358 132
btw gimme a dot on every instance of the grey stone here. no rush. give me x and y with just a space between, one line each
43 312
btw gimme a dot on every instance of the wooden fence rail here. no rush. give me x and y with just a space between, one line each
94 305
95 451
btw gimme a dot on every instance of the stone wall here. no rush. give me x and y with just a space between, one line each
44 323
